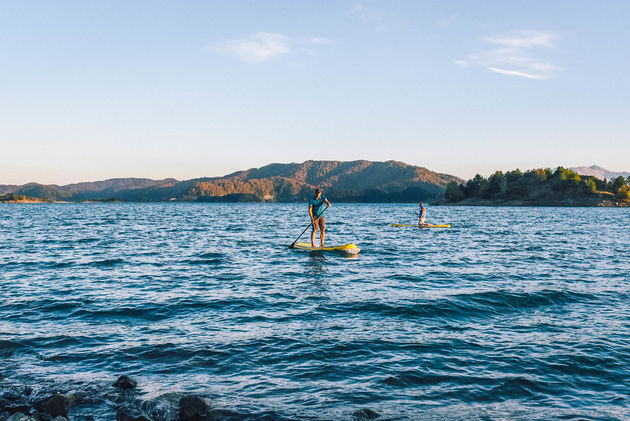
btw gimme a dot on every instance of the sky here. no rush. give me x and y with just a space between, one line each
91 90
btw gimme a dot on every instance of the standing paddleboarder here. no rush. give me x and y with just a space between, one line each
421 215
316 210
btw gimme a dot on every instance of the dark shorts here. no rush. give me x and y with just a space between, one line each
319 224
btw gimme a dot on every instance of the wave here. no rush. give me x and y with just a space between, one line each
478 304
104 262
203 261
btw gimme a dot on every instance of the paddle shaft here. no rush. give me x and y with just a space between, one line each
311 224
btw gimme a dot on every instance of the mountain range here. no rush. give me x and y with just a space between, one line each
342 181
599 172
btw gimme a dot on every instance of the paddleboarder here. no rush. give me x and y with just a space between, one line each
421 215
316 212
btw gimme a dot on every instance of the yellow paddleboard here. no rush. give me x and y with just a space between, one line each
346 248
423 225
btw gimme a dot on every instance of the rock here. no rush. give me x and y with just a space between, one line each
43 416
125 382
365 414
163 407
14 408
54 405
126 413
18 416
192 408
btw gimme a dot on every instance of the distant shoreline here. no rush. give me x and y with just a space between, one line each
550 204
478 203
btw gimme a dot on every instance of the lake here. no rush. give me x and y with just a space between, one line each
520 313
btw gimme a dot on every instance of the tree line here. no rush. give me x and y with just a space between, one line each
538 185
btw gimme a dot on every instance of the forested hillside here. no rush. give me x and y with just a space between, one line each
354 181
540 187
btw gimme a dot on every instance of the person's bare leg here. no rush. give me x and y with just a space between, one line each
313 237
322 235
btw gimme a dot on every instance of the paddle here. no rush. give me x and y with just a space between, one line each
292 246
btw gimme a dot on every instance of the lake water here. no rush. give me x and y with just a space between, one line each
520 313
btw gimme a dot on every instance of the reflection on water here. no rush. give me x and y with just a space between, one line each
316 263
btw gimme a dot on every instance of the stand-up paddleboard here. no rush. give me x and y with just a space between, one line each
346 248
422 225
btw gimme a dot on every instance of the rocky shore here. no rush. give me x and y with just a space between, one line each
122 402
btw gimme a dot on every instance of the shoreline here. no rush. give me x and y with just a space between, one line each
545 204
122 399
604 204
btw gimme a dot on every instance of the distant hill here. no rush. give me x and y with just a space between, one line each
355 181
98 190
7 188
599 172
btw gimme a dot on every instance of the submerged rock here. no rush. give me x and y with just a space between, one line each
55 405
18 416
229 415
45 416
164 407
16 393
125 382
14 408
365 414
192 408
126 413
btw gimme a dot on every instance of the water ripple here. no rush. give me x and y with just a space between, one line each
514 313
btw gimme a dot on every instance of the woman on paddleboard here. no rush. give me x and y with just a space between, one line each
316 212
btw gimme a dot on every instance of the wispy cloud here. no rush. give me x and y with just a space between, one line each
258 47
267 46
517 53
515 73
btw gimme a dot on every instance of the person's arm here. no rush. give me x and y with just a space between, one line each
310 212
327 202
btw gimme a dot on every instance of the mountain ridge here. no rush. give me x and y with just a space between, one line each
599 172
353 181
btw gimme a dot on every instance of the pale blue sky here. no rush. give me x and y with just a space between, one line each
98 89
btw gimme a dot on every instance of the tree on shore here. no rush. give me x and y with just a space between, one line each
453 192
537 185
